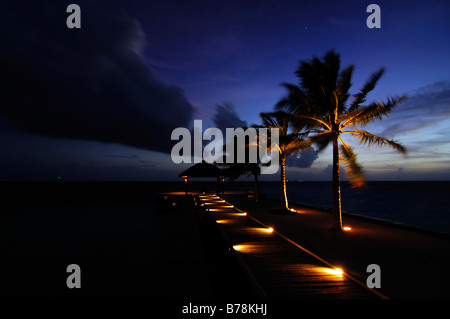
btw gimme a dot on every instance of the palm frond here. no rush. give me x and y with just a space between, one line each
365 137
360 97
302 125
331 67
344 84
352 168
322 139
291 144
375 111
279 119
288 142
295 101
309 74
318 81
312 122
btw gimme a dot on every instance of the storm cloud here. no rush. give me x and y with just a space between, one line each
91 83
227 117
424 108
304 159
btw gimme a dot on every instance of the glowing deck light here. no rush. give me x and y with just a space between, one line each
248 248
335 271
346 228
223 221
338 272
268 230
238 214
209 197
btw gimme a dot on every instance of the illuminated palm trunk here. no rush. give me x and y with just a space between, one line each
284 202
337 215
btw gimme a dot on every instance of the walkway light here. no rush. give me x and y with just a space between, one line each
334 271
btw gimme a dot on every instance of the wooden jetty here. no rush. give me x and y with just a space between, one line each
277 266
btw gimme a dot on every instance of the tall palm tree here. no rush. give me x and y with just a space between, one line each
290 141
322 99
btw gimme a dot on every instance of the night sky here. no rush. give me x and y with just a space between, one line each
100 102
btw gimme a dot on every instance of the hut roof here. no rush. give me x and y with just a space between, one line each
203 169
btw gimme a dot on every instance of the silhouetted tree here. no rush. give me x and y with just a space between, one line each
289 142
321 98
236 169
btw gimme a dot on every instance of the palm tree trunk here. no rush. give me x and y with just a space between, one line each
337 214
284 202
256 188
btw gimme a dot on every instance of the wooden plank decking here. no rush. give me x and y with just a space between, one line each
280 267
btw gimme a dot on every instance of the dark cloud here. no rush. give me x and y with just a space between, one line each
424 108
133 160
328 170
304 159
90 83
227 117
23 169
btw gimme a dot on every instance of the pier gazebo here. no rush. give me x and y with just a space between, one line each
205 170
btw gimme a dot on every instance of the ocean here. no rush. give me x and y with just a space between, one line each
419 204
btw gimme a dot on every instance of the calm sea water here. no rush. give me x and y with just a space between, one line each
419 204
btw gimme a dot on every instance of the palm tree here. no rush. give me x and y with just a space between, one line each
289 142
236 169
322 100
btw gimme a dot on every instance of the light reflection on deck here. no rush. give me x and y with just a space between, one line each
281 267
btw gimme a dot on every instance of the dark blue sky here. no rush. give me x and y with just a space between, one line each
99 103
